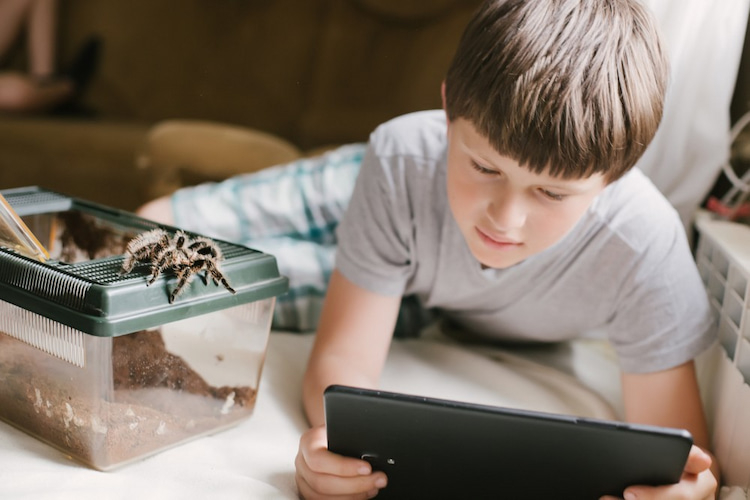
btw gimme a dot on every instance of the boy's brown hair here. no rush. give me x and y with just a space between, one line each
570 87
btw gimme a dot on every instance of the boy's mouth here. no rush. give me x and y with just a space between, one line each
499 242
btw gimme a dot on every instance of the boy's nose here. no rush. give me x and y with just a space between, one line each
507 212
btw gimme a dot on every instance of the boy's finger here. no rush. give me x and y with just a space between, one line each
698 461
316 457
324 486
702 485
325 463
321 473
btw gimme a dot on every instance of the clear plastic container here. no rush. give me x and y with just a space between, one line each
105 368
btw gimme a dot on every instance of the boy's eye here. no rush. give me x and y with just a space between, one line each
476 166
545 192
552 196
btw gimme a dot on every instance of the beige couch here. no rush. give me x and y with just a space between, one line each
311 73
184 85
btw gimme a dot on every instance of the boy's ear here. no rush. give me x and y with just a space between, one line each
442 95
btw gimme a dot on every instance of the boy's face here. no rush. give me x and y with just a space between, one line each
505 212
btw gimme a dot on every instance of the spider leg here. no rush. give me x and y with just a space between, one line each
128 264
158 265
204 246
217 276
196 266
181 241
205 275
132 257
185 275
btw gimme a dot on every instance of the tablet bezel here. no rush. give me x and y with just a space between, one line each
437 448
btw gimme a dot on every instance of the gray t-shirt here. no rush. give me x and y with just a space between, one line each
625 268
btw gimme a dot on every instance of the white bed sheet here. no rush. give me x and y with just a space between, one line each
255 460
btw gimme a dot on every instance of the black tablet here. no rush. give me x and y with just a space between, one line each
434 449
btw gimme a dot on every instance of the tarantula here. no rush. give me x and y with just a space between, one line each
185 256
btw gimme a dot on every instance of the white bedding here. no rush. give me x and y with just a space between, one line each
255 460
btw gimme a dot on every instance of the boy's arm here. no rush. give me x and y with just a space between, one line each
351 344
671 398
158 210
354 334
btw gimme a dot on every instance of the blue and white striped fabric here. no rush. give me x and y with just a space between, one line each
290 211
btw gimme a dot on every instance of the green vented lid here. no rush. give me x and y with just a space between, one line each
81 285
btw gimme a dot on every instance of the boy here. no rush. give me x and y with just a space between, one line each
517 215
520 218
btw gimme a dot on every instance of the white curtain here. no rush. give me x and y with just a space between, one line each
704 39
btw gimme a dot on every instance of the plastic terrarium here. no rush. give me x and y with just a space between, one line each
104 367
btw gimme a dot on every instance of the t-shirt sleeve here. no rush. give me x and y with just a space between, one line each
663 316
375 239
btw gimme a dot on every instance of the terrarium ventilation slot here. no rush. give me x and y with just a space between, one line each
43 333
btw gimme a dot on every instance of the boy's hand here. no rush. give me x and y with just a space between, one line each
323 474
697 482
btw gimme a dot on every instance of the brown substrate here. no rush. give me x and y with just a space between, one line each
157 400
83 238
141 360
